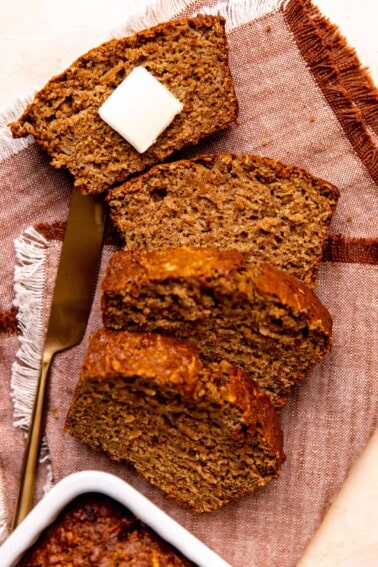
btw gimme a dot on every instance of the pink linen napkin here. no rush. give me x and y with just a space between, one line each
304 99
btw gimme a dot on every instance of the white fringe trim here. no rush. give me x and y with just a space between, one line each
236 12
10 146
3 522
29 285
29 281
239 12
44 458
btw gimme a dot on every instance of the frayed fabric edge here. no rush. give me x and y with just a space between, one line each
10 146
236 12
29 285
305 23
3 521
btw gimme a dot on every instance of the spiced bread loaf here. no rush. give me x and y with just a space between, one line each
254 315
205 434
96 530
188 56
258 206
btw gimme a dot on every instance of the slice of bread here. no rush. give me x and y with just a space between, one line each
203 433
188 56
258 206
255 316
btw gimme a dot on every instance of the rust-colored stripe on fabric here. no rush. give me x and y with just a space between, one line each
299 16
51 231
349 249
338 248
8 322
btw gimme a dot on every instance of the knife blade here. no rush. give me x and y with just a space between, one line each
70 307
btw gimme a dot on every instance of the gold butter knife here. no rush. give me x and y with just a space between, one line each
71 303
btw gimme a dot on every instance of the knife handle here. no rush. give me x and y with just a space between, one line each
28 473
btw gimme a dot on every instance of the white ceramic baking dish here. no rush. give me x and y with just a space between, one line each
45 512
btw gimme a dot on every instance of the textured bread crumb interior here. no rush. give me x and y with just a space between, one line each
196 453
223 309
255 205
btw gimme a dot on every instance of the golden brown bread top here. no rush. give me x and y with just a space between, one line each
293 293
211 267
146 355
141 264
173 363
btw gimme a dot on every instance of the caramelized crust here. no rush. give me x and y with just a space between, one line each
254 315
95 530
203 433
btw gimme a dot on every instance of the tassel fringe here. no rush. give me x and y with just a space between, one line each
29 283
10 146
236 12
3 522
304 22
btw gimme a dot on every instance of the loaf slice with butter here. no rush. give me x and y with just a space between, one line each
188 56
268 210
256 316
204 434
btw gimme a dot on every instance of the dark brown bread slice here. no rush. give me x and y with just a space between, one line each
203 433
95 530
256 316
258 206
189 56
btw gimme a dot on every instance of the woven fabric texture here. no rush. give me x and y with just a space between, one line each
304 99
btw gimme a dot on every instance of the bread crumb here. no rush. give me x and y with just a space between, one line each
265 141
312 118
55 412
268 28
349 218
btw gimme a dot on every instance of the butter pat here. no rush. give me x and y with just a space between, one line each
140 109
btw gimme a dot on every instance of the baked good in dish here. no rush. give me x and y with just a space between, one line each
270 211
96 530
254 315
205 434
188 56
